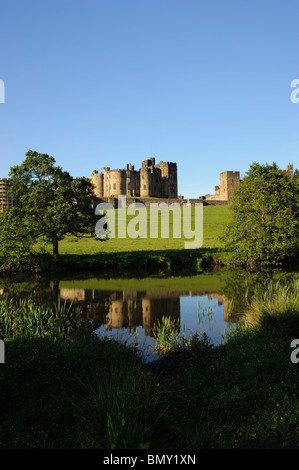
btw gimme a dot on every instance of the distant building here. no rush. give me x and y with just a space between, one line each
152 180
5 199
229 181
290 169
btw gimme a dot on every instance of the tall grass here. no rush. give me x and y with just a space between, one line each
273 309
270 303
205 312
119 407
169 336
23 318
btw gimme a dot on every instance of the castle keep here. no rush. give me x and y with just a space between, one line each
152 180
229 181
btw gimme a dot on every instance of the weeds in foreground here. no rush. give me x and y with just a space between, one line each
169 336
23 318
119 407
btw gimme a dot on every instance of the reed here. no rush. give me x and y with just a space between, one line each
169 336
23 318
205 312
273 301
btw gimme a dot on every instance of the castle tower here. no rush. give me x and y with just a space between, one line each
290 169
150 181
145 182
117 182
146 177
106 182
229 181
169 187
98 181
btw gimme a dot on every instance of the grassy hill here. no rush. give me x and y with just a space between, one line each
215 219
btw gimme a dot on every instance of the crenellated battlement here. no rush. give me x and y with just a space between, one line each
151 180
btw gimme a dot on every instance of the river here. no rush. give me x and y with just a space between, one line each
128 308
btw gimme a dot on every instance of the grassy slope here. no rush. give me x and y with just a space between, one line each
215 218
89 252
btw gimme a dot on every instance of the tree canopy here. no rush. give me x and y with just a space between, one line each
50 199
265 226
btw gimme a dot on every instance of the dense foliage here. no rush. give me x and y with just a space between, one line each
265 226
48 203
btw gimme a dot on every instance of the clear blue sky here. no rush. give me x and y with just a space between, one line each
95 83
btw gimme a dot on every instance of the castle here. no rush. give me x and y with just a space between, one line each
152 180
229 181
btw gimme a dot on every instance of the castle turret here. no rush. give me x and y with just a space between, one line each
98 181
290 169
106 181
117 182
145 182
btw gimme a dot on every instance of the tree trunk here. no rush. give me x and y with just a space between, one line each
55 249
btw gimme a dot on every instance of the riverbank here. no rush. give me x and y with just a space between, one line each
60 391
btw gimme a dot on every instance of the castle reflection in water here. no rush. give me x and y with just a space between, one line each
130 309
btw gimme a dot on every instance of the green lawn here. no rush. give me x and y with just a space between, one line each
215 219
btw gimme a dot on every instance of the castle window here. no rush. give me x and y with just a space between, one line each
114 186
144 187
143 177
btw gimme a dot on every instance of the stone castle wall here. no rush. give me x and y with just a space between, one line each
128 201
229 181
152 180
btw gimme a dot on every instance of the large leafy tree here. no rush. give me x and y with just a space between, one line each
265 226
17 239
50 199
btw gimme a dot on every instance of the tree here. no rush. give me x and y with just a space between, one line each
51 200
265 226
17 241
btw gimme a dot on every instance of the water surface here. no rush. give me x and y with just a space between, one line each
128 309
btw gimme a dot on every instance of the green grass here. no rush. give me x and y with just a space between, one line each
87 252
215 219
114 254
91 393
